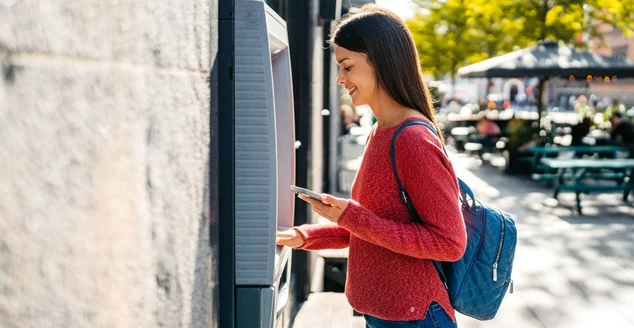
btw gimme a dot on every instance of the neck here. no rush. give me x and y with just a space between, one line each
388 112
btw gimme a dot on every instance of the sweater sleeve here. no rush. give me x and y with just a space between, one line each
323 236
432 186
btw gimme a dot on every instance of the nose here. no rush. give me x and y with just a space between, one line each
340 79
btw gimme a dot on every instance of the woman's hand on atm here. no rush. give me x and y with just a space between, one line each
330 207
291 238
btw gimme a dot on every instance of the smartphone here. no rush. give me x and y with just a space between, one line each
304 191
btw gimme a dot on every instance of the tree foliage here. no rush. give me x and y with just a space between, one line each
441 36
453 33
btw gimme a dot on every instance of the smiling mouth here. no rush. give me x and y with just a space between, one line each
352 90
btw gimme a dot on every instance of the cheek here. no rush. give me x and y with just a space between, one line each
368 84
369 75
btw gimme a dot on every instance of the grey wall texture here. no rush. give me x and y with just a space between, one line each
104 163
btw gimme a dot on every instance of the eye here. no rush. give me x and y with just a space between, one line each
347 69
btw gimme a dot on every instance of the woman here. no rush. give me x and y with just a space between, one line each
391 277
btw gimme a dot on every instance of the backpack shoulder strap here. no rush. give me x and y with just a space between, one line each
464 188
410 207
404 195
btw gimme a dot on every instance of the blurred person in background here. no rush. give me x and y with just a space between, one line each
488 133
349 119
487 128
622 132
580 130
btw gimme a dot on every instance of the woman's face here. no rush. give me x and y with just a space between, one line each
356 74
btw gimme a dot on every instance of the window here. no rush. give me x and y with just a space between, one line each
619 52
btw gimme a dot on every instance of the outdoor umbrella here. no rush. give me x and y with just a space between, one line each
549 59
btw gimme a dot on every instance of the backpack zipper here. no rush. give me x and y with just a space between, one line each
497 257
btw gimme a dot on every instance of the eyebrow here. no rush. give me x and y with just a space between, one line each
340 61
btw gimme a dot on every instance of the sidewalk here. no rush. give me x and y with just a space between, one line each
570 270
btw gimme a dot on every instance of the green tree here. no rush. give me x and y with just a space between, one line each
442 37
452 33
493 30
568 20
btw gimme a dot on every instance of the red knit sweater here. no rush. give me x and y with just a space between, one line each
390 272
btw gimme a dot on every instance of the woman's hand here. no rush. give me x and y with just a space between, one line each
330 206
291 238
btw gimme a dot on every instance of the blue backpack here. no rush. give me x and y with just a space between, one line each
478 281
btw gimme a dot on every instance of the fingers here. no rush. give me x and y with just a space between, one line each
289 238
329 207
315 203
327 199
306 198
284 241
334 201
285 234
317 206
331 213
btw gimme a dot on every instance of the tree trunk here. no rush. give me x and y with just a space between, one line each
453 85
545 9
453 80
488 88
491 52
540 100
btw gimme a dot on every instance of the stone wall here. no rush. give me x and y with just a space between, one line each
104 163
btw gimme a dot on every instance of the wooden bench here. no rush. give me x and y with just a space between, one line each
590 175
540 152
574 175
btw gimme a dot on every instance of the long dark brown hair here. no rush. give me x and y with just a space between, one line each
389 46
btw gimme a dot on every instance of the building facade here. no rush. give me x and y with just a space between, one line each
615 43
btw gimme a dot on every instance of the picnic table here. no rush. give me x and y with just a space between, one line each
540 152
574 175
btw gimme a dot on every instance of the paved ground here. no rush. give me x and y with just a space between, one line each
570 270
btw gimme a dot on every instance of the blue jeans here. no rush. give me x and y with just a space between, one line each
435 318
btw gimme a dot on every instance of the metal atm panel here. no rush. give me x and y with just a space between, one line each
264 163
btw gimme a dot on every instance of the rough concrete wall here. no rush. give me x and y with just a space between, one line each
104 155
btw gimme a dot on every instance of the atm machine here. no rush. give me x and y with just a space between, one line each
264 139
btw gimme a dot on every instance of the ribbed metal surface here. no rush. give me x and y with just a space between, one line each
255 156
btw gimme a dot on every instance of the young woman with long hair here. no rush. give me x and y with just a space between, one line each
391 277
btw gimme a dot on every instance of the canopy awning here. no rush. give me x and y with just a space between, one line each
549 59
